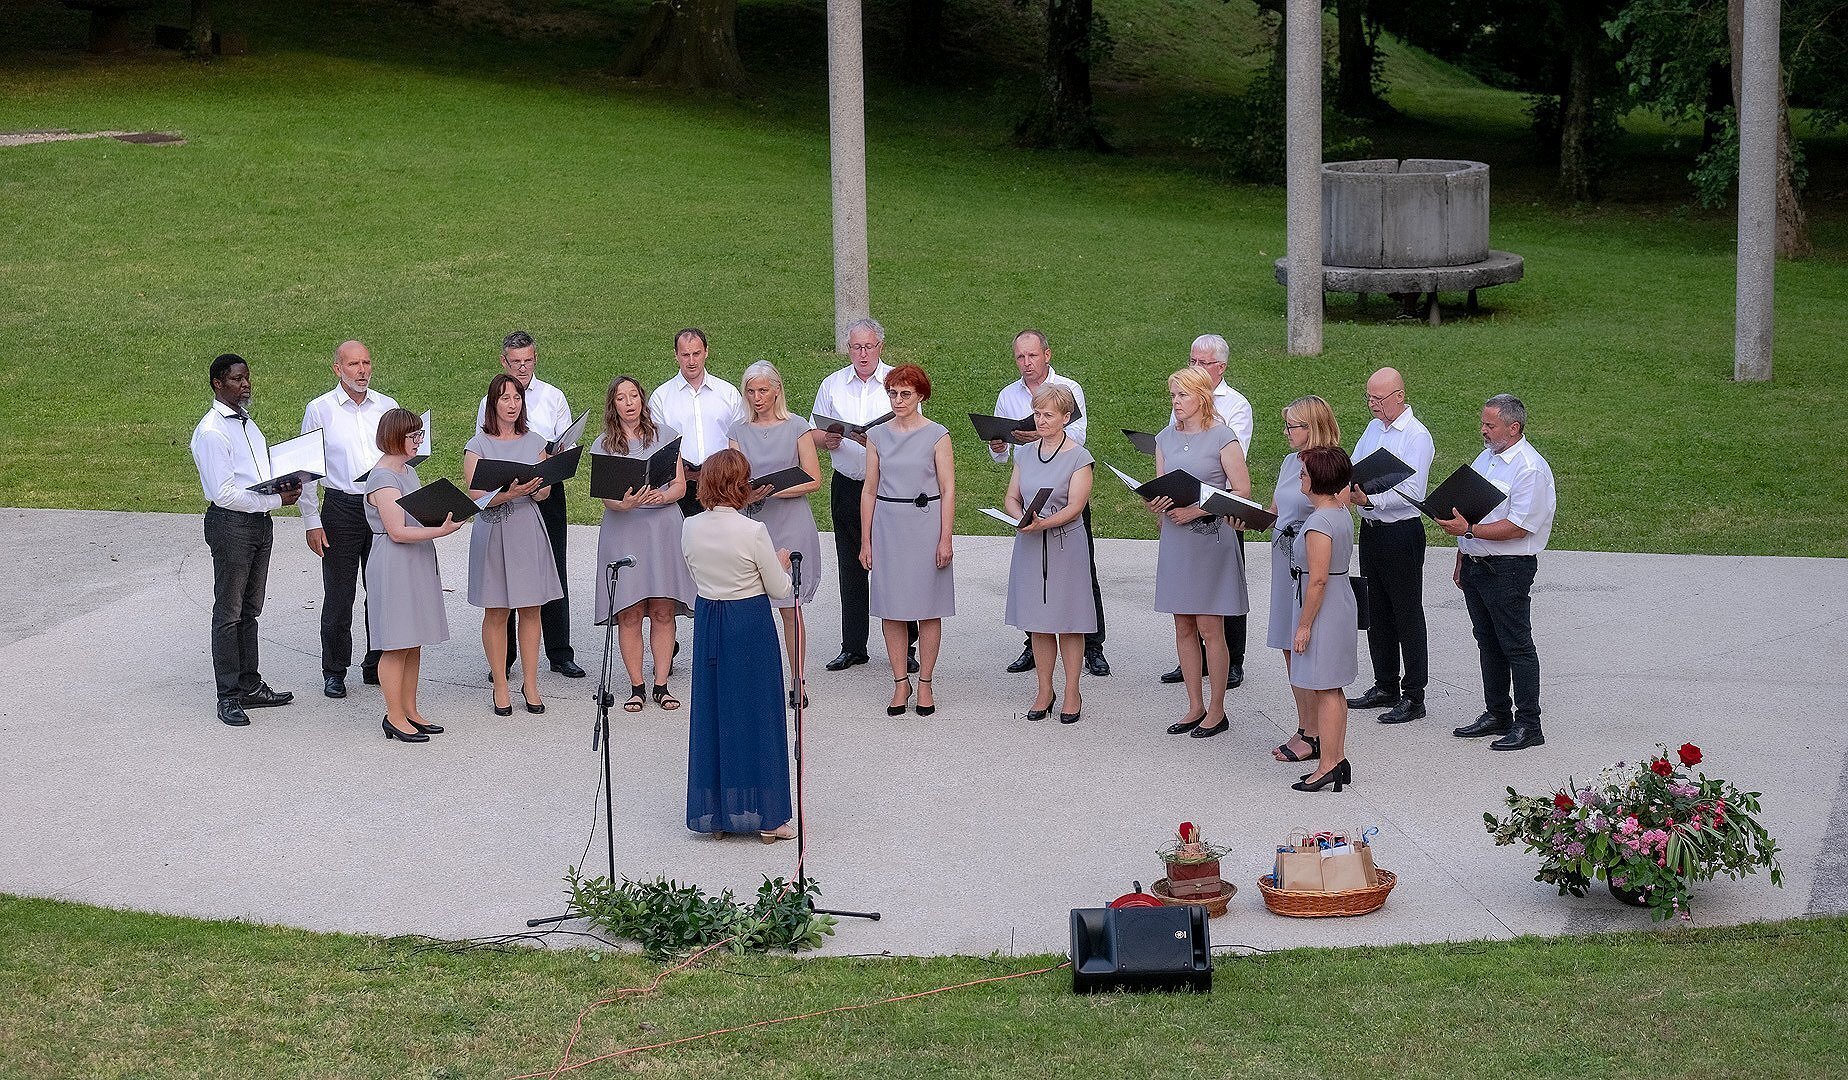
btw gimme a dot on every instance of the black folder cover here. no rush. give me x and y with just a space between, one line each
571 434
613 477
1468 492
492 474
829 424
1141 440
436 500
783 479
294 462
1180 485
1380 471
991 428
1226 504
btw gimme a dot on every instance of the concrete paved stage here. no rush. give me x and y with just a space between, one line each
972 831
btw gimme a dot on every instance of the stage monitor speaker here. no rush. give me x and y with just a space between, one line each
1141 949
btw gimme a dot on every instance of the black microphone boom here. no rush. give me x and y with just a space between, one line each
626 560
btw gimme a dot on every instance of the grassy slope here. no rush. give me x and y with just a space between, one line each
427 197
104 994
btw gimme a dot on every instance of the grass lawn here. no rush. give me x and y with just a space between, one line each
102 994
428 200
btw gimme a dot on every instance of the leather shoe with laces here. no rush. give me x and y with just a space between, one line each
568 668
1519 739
232 713
845 660
263 698
1405 711
1486 724
1173 676
1095 663
911 660
1374 698
1023 662
334 686
1235 676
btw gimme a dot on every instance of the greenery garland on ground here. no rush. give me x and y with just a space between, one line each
668 919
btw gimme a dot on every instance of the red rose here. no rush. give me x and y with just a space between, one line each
1563 801
1186 831
1690 754
1661 767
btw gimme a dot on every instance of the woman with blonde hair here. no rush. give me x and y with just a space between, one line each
1307 422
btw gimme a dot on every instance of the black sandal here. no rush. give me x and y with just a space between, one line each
1315 748
637 699
925 710
667 701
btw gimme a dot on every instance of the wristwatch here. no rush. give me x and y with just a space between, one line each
1469 533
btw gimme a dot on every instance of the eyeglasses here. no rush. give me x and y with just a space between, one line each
864 347
1295 427
416 436
1375 399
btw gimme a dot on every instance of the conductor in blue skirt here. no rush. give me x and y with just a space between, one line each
737 752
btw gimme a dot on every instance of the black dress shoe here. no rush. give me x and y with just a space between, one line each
1235 676
1486 724
1519 739
265 698
1023 662
1173 676
334 686
845 660
369 676
1405 711
911 661
1374 698
232 713
1095 663
428 729
568 668
393 733
1209 732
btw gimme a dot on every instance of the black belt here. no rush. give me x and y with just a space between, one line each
920 501
335 494
214 508
1365 524
1486 558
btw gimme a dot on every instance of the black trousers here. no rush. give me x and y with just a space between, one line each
240 546
555 617
689 503
1498 591
343 568
1392 557
1096 640
844 512
1237 625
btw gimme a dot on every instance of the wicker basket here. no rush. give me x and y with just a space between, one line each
1215 905
1306 904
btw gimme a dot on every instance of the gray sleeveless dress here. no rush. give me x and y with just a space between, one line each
906 583
651 536
1199 569
1292 507
791 521
404 595
509 552
1330 663
1049 580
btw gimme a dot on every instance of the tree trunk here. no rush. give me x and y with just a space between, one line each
1577 172
1354 83
1793 239
1064 117
691 43
923 56
199 36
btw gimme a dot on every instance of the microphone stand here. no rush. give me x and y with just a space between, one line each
801 699
600 734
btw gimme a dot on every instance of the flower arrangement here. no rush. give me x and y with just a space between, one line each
1189 847
1648 830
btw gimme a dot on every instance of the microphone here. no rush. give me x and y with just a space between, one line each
795 558
626 560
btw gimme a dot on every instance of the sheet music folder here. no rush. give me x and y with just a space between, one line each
991 428
492 474
438 499
301 460
570 436
1229 504
613 477
1141 440
833 426
1179 485
1381 471
1039 503
1467 491
783 479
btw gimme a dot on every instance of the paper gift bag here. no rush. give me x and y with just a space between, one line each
1342 869
1299 870
1364 851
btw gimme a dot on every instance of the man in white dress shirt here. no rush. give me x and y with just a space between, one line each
549 414
1392 555
699 405
856 394
1496 561
1210 353
1033 359
334 508
231 455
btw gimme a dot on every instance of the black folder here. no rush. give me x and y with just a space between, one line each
570 436
783 479
613 477
991 428
297 461
434 501
1033 509
1179 485
832 426
1468 492
1381 471
1141 440
1228 504
492 474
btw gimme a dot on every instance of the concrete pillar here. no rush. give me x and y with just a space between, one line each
1758 124
847 162
1303 173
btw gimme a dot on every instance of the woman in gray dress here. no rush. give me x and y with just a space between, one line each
643 525
509 552
772 440
1199 570
1049 580
1307 421
404 595
906 514
1322 661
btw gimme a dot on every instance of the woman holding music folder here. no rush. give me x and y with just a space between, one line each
404 595
1307 422
641 523
906 513
1322 660
737 753
772 441
1049 580
1199 570
510 563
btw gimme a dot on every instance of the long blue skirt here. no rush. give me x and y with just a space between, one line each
738 752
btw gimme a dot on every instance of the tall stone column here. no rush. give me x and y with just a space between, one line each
1303 173
1758 123
847 163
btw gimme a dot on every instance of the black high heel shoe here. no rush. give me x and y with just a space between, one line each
925 710
1041 714
1342 773
427 729
530 707
1070 717
393 733
899 710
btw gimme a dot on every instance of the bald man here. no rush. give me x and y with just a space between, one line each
1392 553
334 508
